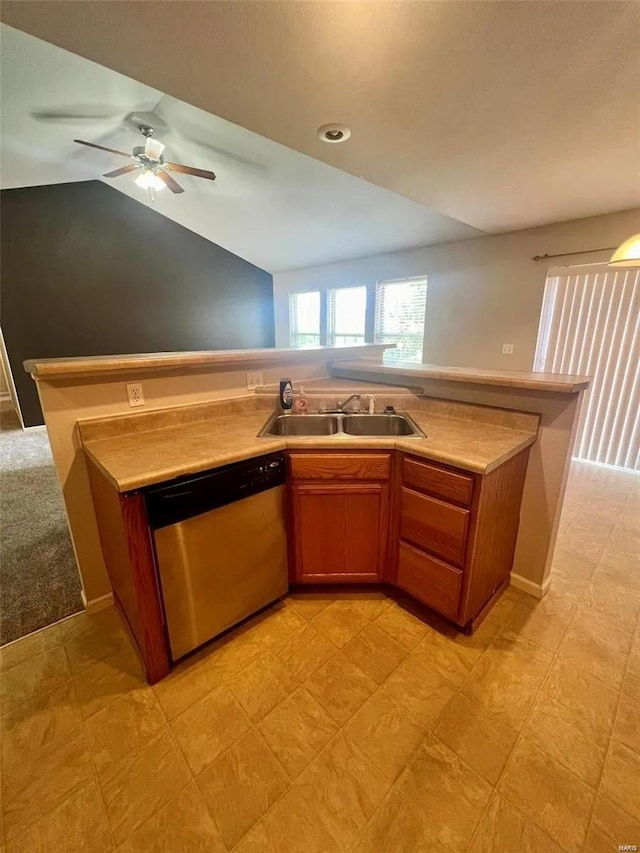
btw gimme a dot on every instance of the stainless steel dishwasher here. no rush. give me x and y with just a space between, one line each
221 547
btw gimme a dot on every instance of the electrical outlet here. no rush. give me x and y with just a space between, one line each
135 395
254 380
507 349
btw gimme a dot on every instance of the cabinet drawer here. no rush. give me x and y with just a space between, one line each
437 481
434 525
431 581
340 466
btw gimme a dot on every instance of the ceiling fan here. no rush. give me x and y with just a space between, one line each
148 158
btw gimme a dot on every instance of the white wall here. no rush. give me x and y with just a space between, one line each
482 292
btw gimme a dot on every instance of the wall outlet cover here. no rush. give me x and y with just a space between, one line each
507 349
135 395
255 379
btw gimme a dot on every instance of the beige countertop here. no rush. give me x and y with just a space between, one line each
406 373
143 458
52 368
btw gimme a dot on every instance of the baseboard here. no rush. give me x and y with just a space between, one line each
525 585
95 605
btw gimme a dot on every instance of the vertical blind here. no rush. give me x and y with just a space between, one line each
590 324
399 318
304 318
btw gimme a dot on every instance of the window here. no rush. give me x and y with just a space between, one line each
346 316
304 319
400 316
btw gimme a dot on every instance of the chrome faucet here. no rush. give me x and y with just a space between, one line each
343 406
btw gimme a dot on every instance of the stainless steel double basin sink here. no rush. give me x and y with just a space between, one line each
339 425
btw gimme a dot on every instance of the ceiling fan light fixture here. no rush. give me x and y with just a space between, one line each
153 148
148 180
628 254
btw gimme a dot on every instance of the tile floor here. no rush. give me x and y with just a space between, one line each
344 722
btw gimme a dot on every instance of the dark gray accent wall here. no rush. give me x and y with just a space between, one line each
85 270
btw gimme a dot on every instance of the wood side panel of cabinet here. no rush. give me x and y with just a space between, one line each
128 552
493 534
340 532
436 526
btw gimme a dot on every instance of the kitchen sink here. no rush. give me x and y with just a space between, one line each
300 425
379 425
341 426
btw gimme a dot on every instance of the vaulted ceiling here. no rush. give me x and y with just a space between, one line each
501 115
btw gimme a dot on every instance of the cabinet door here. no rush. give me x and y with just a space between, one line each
340 532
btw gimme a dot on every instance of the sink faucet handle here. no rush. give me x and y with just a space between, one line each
372 404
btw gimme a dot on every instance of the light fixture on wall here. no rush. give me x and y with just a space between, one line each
628 254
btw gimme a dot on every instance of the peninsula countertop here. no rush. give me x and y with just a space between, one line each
146 457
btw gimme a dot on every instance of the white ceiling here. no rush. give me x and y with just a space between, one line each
501 115
271 205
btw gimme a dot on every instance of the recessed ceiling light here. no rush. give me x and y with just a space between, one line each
334 133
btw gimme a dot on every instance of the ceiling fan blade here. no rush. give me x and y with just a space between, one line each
190 170
174 186
76 113
101 147
123 171
153 149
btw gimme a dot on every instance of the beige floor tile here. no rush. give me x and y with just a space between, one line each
623 610
241 785
78 825
403 626
340 687
33 677
549 795
618 573
375 652
339 622
296 730
235 651
32 789
304 652
483 741
620 778
572 565
611 827
372 604
274 625
399 827
341 788
504 830
421 688
264 683
183 825
386 733
454 654
187 683
45 721
565 736
507 678
97 637
288 828
308 604
634 654
631 687
624 540
596 657
452 795
142 782
602 628
27 647
544 625
107 680
123 726
587 696
627 725
209 727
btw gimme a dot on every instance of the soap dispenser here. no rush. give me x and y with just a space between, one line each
286 395
301 403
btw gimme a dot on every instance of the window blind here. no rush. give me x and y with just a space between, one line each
590 324
400 317
304 318
346 315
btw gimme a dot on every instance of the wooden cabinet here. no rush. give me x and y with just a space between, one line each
455 535
340 516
